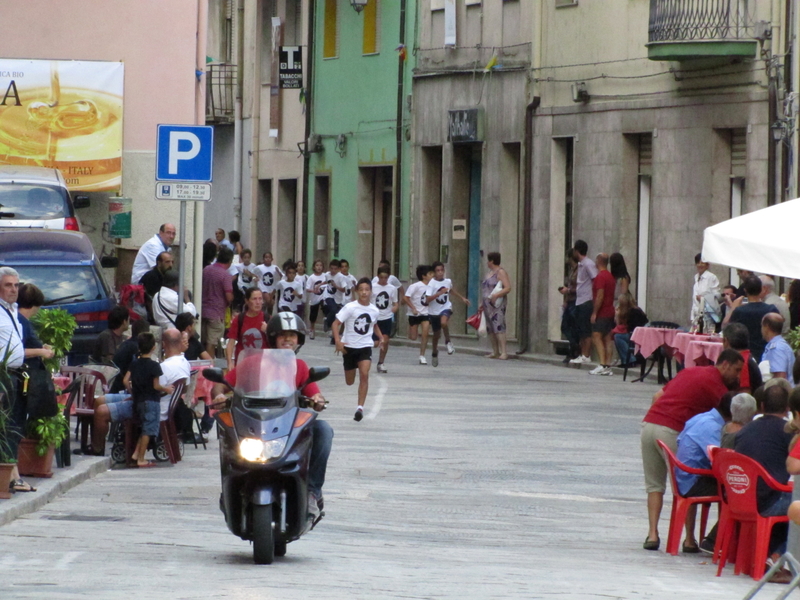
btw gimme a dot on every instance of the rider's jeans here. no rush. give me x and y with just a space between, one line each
320 450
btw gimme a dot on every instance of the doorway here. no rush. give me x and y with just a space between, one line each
322 203
286 223
375 234
263 220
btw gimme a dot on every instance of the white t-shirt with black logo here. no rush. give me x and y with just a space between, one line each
349 288
285 297
384 297
358 323
268 277
329 290
315 287
416 291
442 303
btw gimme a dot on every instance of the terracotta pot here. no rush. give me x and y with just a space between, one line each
5 480
30 464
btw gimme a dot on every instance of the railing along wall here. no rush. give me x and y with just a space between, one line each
220 92
679 20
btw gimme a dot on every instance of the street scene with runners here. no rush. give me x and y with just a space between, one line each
393 299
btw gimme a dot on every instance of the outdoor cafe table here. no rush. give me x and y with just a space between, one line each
649 339
694 349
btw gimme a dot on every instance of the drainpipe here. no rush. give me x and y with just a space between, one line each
306 155
527 234
200 119
237 122
398 209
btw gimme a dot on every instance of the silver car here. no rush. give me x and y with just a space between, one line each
37 197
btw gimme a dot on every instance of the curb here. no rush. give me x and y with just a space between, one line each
50 489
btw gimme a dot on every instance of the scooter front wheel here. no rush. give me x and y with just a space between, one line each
263 537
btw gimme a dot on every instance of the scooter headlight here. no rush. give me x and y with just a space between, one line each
261 451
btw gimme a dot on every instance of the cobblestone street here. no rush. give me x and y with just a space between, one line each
477 479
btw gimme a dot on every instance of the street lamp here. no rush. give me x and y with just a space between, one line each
358 5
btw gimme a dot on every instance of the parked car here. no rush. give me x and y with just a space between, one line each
64 266
37 197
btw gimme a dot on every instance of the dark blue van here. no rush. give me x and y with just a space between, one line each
64 266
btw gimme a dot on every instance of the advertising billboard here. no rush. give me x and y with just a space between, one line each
64 114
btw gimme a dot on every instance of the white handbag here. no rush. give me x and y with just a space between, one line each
498 302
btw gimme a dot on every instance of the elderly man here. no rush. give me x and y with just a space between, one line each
118 407
148 253
770 297
693 391
165 302
777 352
14 352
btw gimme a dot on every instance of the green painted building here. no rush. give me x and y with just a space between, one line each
360 165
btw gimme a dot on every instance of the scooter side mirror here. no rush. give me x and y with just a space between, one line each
215 375
316 374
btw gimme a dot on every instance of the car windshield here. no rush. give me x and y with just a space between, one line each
31 201
63 285
266 374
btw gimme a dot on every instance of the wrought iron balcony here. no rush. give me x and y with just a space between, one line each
220 93
689 29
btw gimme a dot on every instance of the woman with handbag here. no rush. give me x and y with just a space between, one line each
494 289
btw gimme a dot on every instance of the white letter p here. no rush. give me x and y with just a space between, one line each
175 155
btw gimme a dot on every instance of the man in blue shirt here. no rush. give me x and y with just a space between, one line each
778 352
701 431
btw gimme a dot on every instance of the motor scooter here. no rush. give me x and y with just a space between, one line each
265 445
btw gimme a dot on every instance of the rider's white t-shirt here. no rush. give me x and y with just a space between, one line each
442 303
384 297
358 322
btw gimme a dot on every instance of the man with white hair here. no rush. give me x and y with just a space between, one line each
13 351
770 297
148 253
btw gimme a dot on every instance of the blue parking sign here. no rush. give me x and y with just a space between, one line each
184 153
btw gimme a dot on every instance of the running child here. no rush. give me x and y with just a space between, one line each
268 277
347 281
384 297
330 308
417 311
397 284
440 309
315 285
142 381
360 320
290 292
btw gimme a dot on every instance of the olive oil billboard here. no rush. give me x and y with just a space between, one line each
66 115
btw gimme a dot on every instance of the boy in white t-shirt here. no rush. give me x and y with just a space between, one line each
330 308
440 309
315 287
289 292
349 282
397 284
268 277
384 297
417 310
361 335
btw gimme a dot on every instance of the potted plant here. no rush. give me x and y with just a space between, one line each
55 327
7 459
36 451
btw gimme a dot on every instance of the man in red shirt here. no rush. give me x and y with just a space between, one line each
602 318
693 391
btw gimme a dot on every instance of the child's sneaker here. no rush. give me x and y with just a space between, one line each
450 348
422 360
359 414
381 368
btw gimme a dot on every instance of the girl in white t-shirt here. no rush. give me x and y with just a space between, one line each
361 335
418 309
289 292
315 289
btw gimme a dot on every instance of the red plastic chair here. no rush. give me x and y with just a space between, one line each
737 476
681 504
93 383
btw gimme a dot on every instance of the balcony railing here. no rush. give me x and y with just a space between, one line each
685 20
220 93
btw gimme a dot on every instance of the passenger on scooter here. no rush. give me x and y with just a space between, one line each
286 331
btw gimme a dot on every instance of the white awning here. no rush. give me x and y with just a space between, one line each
764 241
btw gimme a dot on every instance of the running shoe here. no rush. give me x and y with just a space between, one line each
579 360
435 360
607 372
381 368
359 415
422 360
450 348
311 334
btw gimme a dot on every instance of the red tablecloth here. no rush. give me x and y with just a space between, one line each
649 339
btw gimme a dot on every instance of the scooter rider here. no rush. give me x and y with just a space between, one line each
286 331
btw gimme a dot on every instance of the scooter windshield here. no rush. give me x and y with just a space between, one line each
266 374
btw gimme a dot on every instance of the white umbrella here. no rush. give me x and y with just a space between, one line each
764 241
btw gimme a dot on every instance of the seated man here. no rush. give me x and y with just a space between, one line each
766 441
165 302
287 331
700 431
778 353
735 336
108 341
118 407
743 409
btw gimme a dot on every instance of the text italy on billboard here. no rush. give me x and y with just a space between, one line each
64 114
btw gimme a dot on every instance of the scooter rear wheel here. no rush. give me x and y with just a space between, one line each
263 539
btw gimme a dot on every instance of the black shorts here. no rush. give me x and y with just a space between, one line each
385 326
414 320
353 356
313 312
602 325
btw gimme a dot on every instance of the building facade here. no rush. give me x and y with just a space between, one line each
358 146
